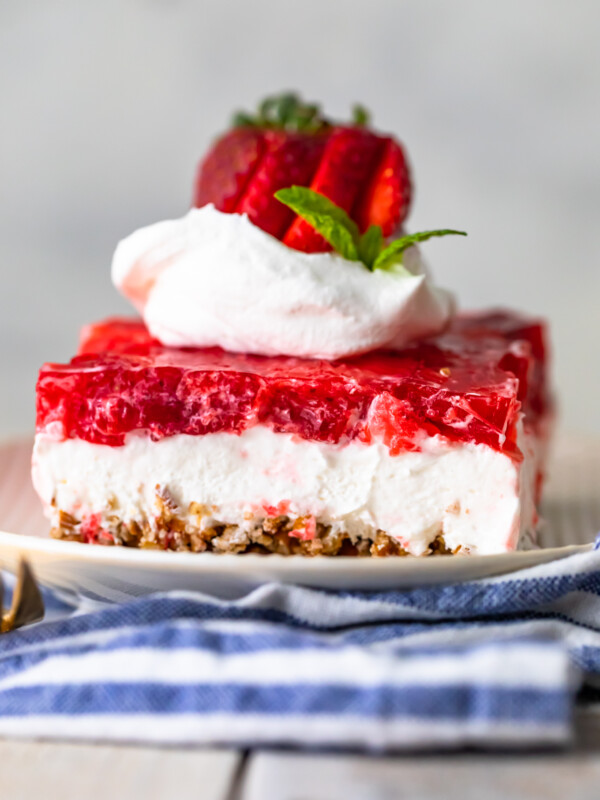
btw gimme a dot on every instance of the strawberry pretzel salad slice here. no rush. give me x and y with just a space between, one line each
296 383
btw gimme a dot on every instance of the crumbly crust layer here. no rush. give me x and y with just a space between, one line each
281 535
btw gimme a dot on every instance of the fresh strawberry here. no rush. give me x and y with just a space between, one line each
288 159
343 173
387 198
289 143
224 173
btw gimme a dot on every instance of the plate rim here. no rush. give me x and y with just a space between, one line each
248 562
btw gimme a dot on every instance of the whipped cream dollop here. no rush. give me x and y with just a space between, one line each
212 278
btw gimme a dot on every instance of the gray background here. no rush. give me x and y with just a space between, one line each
106 106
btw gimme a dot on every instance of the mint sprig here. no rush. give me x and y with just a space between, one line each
370 245
392 254
331 221
342 233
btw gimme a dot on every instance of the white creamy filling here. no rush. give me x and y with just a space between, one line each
216 279
478 498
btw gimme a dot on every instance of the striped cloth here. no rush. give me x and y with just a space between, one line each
496 662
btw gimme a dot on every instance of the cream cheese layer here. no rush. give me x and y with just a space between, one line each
479 499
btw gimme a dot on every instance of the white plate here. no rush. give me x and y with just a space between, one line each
572 511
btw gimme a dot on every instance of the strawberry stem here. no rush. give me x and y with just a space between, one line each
360 115
284 111
287 111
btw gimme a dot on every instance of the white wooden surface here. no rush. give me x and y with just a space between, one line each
61 771
550 777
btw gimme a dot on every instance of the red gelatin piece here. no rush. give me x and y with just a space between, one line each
393 421
469 384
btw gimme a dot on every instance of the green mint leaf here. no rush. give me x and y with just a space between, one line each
331 221
370 244
342 233
397 268
392 255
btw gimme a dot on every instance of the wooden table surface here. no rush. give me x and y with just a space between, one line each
67 771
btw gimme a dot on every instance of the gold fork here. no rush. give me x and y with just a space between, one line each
27 602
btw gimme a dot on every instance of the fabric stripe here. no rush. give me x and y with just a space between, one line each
496 661
301 730
383 702
351 666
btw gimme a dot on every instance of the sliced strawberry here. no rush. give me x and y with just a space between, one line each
223 175
288 142
289 159
387 199
344 171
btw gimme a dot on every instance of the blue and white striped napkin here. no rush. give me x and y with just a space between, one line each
496 662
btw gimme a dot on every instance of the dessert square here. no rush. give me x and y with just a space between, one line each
296 383
437 448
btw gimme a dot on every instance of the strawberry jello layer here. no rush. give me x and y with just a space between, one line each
432 449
